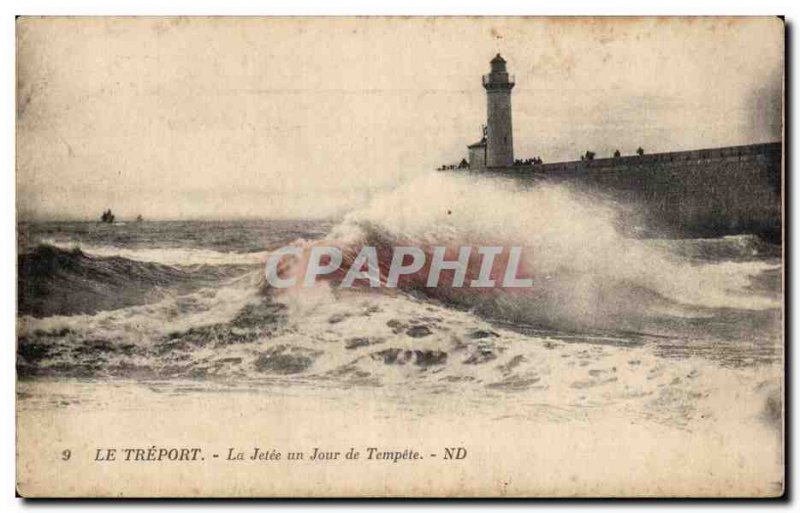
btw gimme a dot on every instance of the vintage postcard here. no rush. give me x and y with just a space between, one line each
400 257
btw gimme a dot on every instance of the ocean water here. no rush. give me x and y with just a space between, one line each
673 332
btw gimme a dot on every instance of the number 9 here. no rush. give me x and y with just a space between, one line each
66 454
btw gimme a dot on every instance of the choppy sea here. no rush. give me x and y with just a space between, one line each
658 327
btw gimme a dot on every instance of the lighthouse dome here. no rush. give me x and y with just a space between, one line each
498 64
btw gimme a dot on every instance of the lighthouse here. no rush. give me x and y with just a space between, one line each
499 137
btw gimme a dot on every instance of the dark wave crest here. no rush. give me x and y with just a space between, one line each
54 281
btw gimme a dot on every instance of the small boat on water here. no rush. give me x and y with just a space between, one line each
107 217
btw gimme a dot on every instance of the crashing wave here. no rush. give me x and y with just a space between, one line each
585 273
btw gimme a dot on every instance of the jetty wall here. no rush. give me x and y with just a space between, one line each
700 193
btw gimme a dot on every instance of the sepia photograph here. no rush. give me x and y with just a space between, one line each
400 257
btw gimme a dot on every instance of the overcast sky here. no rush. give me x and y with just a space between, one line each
254 117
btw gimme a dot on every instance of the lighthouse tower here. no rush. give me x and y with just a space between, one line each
499 139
